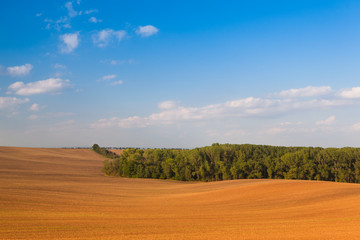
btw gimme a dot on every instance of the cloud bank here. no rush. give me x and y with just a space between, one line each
284 102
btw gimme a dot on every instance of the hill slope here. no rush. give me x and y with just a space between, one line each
62 194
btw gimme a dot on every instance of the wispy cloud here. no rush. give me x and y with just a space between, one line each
290 129
94 20
35 107
91 11
112 78
51 115
33 117
71 12
167 105
356 126
62 22
8 102
70 41
59 66
104 37
330 120
116 62
309 91
171 113
121 123
291 123
43 86
114 83
147 31
108 77
20 70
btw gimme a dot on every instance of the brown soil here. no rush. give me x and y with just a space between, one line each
62 194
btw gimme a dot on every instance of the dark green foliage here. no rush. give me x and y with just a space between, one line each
230 161
103 151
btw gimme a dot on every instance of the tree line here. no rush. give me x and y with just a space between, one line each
104 152
231 161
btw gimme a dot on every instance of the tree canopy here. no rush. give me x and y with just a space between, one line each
231 161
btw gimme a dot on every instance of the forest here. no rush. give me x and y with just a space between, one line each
231 161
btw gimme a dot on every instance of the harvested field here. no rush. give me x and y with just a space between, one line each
62 194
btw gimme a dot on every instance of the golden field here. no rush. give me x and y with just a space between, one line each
62 194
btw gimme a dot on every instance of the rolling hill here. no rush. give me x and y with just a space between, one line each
62 194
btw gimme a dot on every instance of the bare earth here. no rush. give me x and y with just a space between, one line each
62 194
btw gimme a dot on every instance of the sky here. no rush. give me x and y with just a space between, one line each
179 74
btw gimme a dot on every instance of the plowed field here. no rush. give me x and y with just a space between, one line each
62 194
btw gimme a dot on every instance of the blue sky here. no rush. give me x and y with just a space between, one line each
179 73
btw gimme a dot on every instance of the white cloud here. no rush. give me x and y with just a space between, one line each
350 93
104 37
94 20
108 77
115 62
252 103
119 82
59 66
70 42
33 117
290 130
291 123
35 107
309 91
329 121
171 113
62 22
72 13
121 123
91 11
43 86
20 70
167 105
356 126
38 14
276 130
111 77
52 115
7 102
243 108
147 31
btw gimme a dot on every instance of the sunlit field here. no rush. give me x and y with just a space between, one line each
62 194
